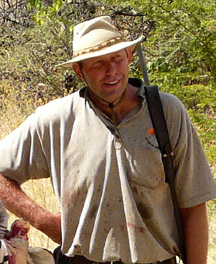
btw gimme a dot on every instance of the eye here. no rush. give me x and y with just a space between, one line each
97 64
117 58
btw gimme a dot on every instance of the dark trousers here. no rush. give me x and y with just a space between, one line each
60 258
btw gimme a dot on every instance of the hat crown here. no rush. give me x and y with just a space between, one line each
97 37
93 33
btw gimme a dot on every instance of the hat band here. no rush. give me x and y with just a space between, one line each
98 47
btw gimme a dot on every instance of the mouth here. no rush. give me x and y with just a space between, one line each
111 83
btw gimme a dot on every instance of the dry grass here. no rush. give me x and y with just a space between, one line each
11 115
41 190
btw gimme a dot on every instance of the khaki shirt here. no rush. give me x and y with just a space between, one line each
115 202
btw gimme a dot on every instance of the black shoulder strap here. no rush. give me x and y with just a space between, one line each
162 135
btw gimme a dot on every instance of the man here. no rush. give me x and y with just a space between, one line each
99 147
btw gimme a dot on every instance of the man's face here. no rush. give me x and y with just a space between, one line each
106 76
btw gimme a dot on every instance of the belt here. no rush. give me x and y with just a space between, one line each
62 259
167 261
83 260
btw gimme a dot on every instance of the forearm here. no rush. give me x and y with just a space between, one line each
17 202
195 227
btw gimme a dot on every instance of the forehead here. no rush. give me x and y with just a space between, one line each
104 57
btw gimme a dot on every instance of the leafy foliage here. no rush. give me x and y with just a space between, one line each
181 55
180 50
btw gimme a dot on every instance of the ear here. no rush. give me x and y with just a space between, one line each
129 54
76 68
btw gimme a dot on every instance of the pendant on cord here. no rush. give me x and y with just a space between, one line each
117 142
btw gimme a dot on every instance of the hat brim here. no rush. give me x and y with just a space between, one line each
107 50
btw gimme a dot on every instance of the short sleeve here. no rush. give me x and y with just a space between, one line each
21 153
194 181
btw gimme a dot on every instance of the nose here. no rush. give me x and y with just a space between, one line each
110 68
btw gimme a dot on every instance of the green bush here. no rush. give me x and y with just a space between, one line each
180 51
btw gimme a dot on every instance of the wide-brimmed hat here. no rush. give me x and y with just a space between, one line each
97 37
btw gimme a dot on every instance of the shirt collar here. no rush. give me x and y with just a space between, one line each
136 82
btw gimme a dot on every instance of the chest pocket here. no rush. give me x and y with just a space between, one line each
145 167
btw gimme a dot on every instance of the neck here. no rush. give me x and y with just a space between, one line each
121 106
